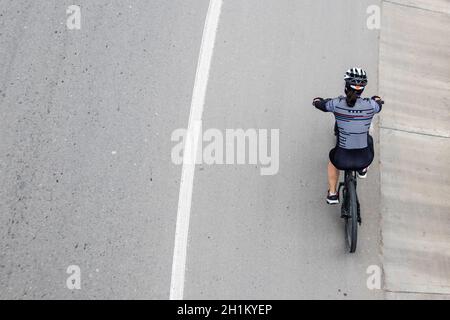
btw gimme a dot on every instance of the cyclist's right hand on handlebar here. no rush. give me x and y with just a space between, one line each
378 99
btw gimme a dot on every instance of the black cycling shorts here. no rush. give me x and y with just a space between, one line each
353 159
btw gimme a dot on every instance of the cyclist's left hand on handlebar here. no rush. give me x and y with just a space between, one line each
318 99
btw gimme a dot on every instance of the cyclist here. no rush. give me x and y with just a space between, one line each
353 114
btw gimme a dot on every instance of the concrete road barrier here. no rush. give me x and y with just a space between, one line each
415 148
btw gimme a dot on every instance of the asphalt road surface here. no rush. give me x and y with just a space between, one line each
86 172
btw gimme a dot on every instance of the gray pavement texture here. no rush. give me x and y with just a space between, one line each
86 119
415 149
86 176
264 237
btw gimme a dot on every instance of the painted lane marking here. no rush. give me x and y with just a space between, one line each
190 149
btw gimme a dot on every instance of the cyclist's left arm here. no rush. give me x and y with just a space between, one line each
325 105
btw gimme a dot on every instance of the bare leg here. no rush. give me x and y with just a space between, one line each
333 177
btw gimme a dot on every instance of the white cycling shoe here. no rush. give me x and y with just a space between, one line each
362 174
332 198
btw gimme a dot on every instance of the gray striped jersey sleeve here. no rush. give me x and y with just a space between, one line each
331 104
375 105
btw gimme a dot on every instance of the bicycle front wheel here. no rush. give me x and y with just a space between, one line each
351 220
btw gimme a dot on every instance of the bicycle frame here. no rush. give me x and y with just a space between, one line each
350 177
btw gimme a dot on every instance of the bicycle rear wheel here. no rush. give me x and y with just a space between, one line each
351 219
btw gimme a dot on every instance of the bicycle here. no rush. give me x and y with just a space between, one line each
350 209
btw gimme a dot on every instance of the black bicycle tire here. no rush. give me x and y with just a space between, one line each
351 222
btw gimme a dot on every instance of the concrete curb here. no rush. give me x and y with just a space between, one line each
415 149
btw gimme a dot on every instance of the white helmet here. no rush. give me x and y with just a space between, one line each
356 78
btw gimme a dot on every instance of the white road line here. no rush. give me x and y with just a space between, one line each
190 149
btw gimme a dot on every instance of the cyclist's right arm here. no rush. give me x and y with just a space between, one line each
377 103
